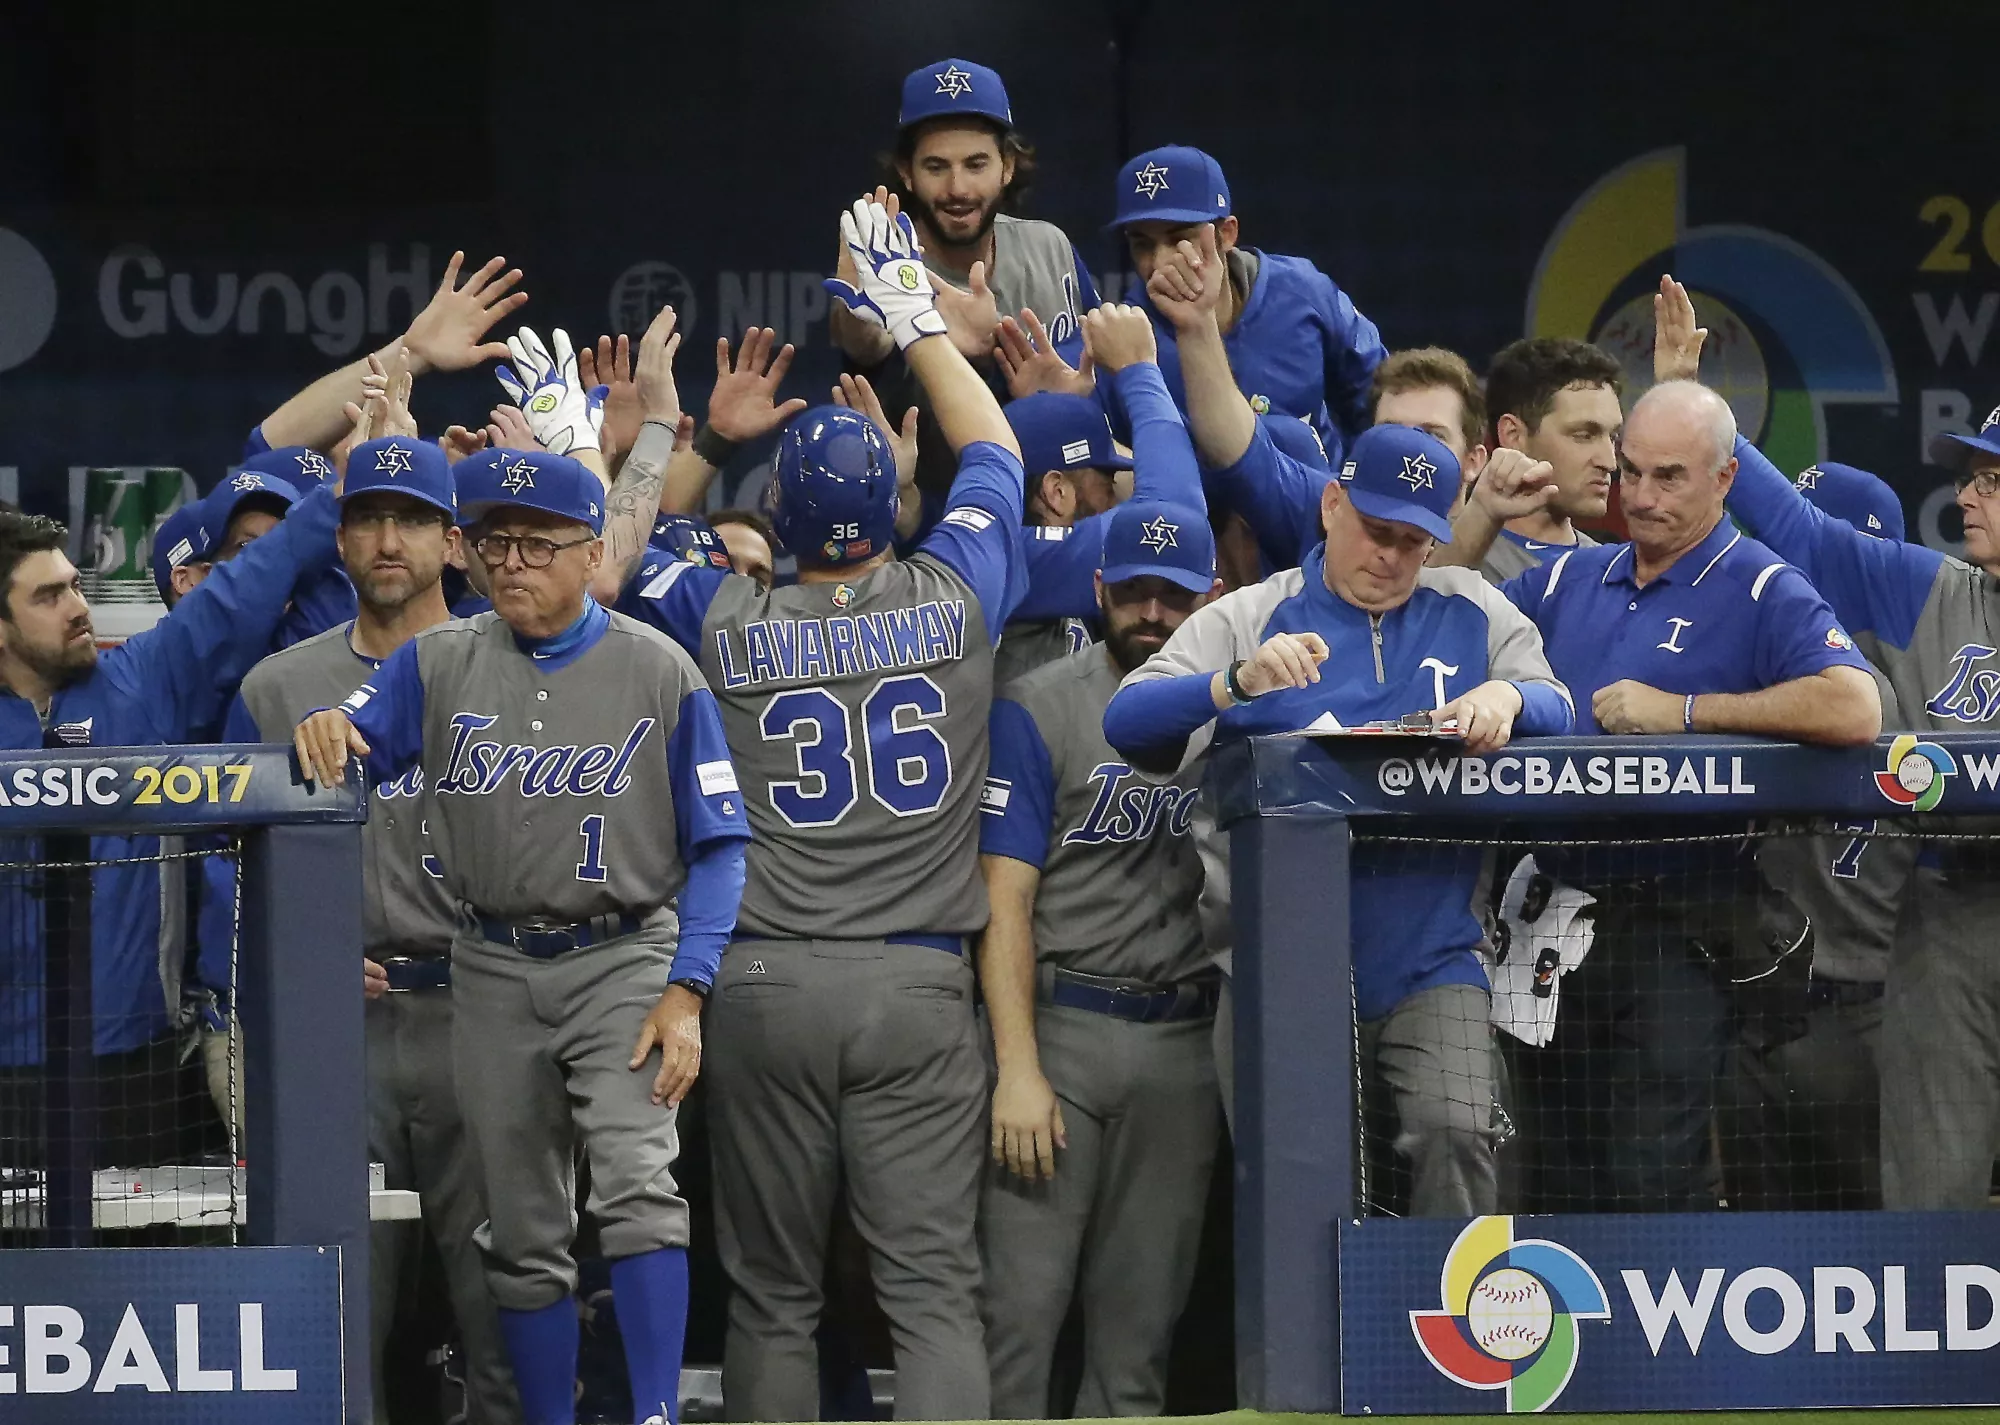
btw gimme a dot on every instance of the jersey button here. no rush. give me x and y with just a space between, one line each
541 695
536 725
1633 606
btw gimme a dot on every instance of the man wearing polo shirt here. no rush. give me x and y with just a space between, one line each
1366 631
1692 627
1100 999
1295 341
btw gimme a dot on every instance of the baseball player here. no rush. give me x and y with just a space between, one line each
1434 390
1928 621
1806 1090
846 1051
1363 631
157 688
578 783
1100 996
395 531
1295 341
1080 478
958 168
751 543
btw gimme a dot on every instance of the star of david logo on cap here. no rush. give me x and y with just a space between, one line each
392 460
1151 181
954 81
516 475
313 466
247 481
1417 471
1992 420
1808 478
1159 536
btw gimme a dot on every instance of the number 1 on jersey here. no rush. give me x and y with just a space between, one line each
1847 865
592 866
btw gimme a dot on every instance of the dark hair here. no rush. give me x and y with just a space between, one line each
20 536
749 519
1427 366
1527 375
1010 141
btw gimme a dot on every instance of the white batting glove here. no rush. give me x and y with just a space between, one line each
894 290
558 406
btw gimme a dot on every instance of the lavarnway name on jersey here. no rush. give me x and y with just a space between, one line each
784 650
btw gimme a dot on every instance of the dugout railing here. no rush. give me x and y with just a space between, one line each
276 1327
1338 1310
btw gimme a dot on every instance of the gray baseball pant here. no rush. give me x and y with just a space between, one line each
1427 1076
1940 1050
540 1049
416 1132
852 1062
1123 1213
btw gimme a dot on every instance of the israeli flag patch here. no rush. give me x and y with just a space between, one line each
975 520
993 798
1075 451
715 777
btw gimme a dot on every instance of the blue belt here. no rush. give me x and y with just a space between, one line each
546 942
408 973
950 944
1136 1000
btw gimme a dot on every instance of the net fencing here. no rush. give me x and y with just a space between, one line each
1651 1022
121 1088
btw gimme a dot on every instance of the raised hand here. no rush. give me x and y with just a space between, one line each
1677 341
971 315
457 442
610 367
891 289
1512 484
855 393
447 334
508 429
1186 285
653 379
1033 364
744 403
393 416
1116 336
550 392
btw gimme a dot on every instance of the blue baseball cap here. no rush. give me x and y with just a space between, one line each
191 533
689 538
301 466
1151 537
1955 452
1403 474
954 88
1063 432
1174 184
1297 439
403 465
1862 499
529 480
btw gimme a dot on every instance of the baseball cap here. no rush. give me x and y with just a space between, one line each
529 480
1297 439
1174 184
1063 432
407 466
951 88
1955 452
1856 496
1166 541
689 538
299 465
1403 474
191 533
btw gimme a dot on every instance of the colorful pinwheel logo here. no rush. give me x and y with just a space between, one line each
1915 779
1510 1314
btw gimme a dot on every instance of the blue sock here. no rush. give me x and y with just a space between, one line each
651 1294
541 1345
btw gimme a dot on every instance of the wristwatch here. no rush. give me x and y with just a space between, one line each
693 987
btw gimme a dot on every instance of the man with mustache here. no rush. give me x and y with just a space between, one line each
1100 997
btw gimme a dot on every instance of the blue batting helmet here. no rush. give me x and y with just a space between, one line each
833 488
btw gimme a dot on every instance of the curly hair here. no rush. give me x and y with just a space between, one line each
1010 141
1527 375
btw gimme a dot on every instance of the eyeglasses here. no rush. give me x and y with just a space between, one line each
535 551
372 520
1985 482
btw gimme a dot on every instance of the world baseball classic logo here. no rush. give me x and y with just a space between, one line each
1510 1314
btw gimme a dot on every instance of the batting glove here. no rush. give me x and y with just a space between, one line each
559 409
894 291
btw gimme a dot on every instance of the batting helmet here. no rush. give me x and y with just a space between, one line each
833 489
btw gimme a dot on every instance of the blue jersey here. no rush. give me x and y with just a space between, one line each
1728 616
1298 348
1278 495
158 688
1413 923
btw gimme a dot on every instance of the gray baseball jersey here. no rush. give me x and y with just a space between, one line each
1034 266
558 787
1120 873
404 905
1512 555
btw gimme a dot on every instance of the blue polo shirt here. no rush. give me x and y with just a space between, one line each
1729 616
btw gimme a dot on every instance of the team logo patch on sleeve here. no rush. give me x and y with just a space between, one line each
715 777
993 798
1837 638
973 519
